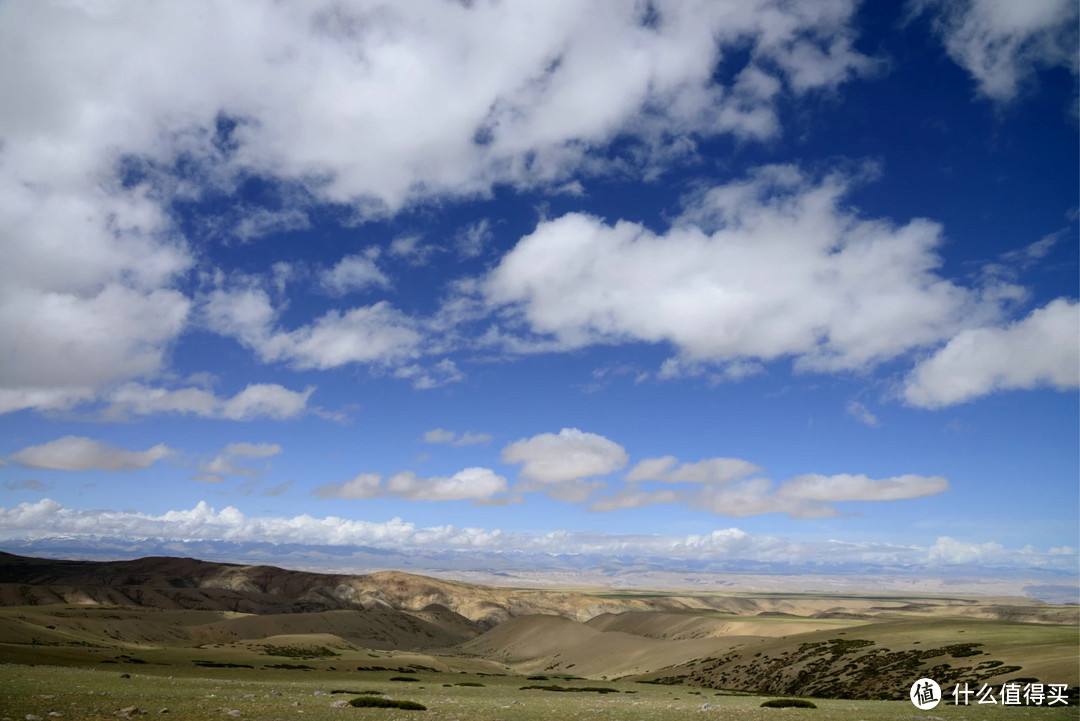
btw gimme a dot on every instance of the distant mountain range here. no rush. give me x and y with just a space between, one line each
517 568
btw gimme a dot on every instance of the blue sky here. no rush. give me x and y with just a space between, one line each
723 281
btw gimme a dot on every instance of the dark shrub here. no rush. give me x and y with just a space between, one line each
788 703
375 702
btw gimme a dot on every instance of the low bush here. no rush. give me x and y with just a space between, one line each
788 703
376 702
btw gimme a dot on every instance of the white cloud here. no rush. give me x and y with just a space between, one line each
258 400
468 484
726 491
253 450
431 376
480 483
451 438
225 462
471 239
259 222
16 399
376 333
75 453
760 269
753 497
1003 43
846 487
47 518
948 550
635 498
370 105
710 470
862 414
1041 350
266 400
412 249
354 273
364 485
570 455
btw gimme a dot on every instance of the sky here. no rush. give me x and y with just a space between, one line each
718 282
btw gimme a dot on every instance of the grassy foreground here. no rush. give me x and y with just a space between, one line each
198 694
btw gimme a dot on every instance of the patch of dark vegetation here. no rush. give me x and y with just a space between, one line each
788 703
124 658
219 664
536 678
378 702
291 666
405 679
962 650
369 692
474 684
837 668
298 651
586 689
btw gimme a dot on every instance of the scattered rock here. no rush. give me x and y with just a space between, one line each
233 712
340 703
128 711
705 707
319 693
33 717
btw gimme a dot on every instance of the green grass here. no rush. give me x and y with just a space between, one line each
195 694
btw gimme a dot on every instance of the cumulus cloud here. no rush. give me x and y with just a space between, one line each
377 333
1003 43
846 487
75 453
722 488
225 463
635 498
950 551
354 273
443 97
1041 350
862 414
258 222
433 375
569 455
471 239
364 485
710 470
475 483
468 483
755 270
258 400
47 518
372 107
452 438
